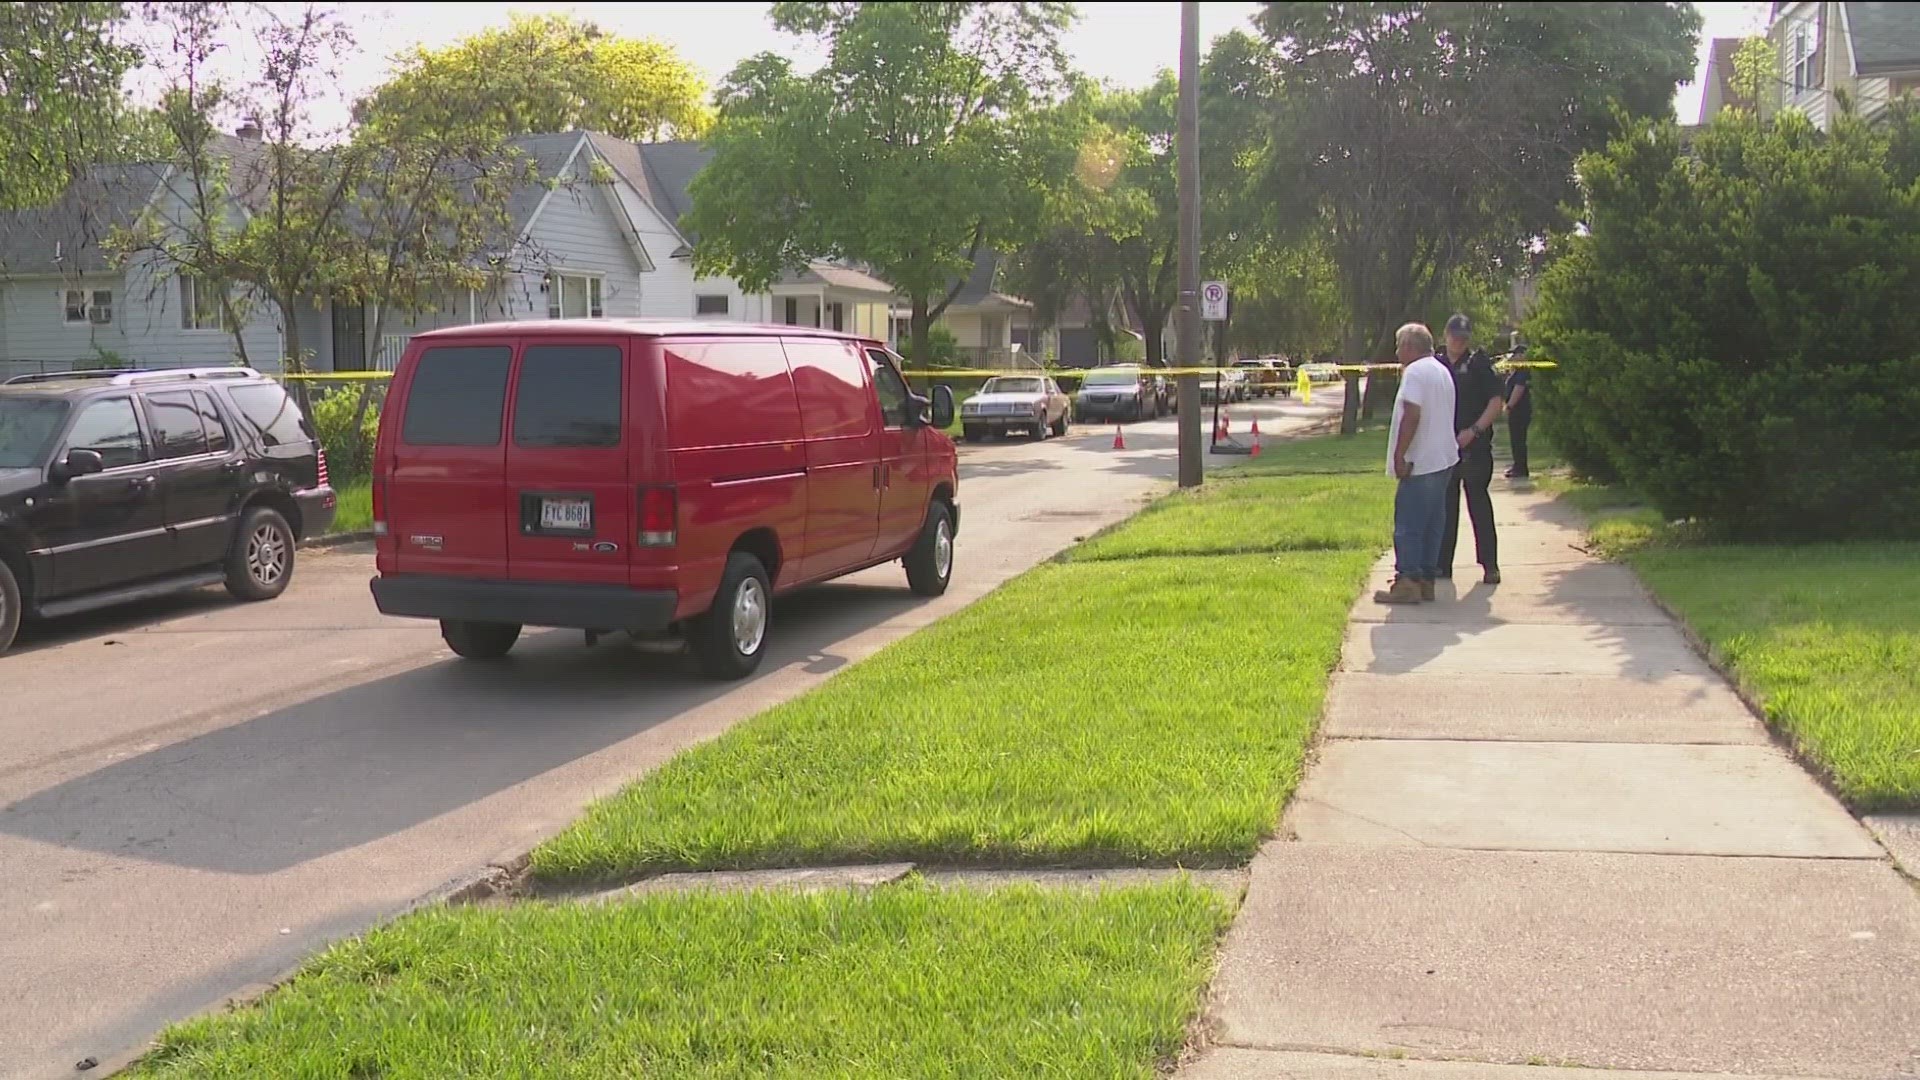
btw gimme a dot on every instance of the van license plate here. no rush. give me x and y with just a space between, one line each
566 515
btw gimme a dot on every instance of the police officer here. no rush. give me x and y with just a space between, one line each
1519 413
1477 398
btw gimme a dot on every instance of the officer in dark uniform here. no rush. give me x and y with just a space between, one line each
1519 413
1477 398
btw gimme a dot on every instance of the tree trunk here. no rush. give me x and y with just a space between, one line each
1153 324
921 333
293 362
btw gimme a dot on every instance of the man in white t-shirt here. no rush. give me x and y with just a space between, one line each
1421 452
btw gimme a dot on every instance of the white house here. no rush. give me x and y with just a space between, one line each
1868 54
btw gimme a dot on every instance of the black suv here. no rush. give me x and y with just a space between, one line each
118 486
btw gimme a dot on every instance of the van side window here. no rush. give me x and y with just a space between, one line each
830 379
713 382
568 395
457 396
891 389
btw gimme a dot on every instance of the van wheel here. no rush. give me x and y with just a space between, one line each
930 563
260 566
731 638
9 606
479 640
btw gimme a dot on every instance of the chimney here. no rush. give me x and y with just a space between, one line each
249 131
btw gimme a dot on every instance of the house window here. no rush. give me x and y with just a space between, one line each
199 305
710 305
101 313
76 313
573 296
1804 47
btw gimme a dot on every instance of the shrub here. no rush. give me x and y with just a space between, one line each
348 457
943 349
1736 332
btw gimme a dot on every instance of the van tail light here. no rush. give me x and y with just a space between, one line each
379 508
659 517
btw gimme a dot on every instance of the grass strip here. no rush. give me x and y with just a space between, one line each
904 981
1825 636
1269 513
353 507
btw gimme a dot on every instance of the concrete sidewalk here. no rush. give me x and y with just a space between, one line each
1542 831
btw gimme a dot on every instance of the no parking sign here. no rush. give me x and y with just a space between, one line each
1213 301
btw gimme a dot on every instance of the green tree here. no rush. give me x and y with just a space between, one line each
917 145
60 106
546 73
1423 137
1734 331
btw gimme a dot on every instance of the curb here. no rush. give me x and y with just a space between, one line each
331 540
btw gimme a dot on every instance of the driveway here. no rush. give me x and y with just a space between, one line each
195 794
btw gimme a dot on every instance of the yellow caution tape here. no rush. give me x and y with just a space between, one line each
989 373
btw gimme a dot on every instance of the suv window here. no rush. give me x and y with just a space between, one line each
177 431
457 396
568 395
272 413
28 426
111 429
218 442
892 390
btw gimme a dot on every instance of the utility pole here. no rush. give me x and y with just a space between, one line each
1191 472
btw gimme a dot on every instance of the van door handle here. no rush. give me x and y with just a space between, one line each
876 478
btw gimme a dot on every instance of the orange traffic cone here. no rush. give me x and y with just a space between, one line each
1255 452
1119 440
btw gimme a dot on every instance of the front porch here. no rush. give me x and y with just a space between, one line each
834 298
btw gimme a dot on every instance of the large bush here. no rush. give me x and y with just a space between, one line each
349 454
1738 331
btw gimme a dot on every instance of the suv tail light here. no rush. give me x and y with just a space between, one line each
659 517
323 467
379 508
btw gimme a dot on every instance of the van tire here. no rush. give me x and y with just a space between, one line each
713 640
260 564
930 563
479 640
9 606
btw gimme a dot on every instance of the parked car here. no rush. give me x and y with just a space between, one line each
1262 377
669 480
1117 393
1321 372
1030 403
117 486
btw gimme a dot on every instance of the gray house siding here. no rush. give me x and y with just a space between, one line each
581 230
34 333
157 338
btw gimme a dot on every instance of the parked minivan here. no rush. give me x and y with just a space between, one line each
660 478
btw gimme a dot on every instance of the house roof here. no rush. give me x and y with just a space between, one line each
66 236
978 291
835 276
670 169
1719 89
549 154
1886 37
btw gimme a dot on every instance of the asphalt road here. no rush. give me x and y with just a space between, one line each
195 794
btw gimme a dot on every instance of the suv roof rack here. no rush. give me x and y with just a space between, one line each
136 376
64 376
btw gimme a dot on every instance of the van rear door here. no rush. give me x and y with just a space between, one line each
445 491
569 496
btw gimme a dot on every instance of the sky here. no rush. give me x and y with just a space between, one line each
1126 43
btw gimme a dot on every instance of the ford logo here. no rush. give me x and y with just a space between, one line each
606 547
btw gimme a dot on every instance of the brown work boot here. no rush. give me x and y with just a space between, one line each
1404 590
1426 591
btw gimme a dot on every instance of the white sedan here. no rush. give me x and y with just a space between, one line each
1015 402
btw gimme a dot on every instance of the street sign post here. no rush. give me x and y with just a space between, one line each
1213 301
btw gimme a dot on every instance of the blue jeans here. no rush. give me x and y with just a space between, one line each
1419 524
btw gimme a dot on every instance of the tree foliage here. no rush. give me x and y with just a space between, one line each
919 144
1422 137
545 73
1735 332
61 66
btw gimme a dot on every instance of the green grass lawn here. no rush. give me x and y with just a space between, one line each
1825 636
1116 707
355 507
905 981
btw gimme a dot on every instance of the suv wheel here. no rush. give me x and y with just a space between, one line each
261 563
930 563
731 638
479 640
9 606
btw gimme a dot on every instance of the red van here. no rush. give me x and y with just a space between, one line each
661 478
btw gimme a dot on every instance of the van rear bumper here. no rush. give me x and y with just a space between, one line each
526 603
